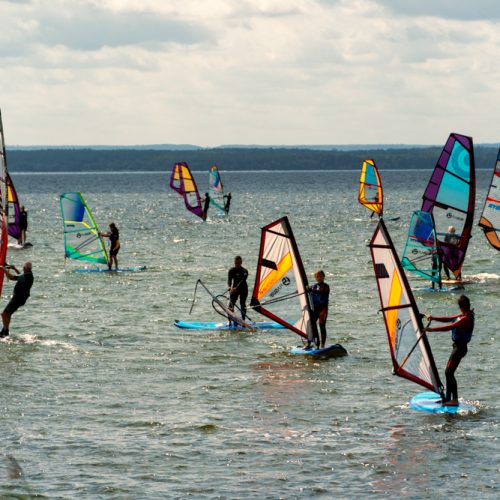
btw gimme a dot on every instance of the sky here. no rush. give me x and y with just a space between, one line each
268 72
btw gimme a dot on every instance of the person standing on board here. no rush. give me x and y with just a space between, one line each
206 204
320 293
452 240
20 296
461 326
23 224
238 287
114 244
227 202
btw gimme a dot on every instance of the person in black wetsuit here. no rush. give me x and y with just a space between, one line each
23 224
461 326
20 296
227 202
320 292
114 244
206 205
237 283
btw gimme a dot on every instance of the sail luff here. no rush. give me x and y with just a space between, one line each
490 216
408 344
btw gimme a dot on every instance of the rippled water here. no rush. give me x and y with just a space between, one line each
103 398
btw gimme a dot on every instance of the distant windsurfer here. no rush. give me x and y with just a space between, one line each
206 205
320 293
114 244
227 202
461 326
238 287
23 224
20 295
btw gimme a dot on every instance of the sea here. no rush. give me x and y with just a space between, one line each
102 397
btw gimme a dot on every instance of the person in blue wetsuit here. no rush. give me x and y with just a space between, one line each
238 287
114 244
320 293
461 326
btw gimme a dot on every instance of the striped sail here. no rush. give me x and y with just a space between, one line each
182 181
450 197
14 210
490 217
410 350
281 282
420 255
370 188
82 239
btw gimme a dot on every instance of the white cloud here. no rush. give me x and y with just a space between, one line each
249 71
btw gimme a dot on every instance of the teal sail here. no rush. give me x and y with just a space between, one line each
82 239
420 255
216 190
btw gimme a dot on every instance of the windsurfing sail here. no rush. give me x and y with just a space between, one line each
216 190
410 350
82 239
182 181
14 210
450 197
280 279
490 218
420 255
370 188
4 204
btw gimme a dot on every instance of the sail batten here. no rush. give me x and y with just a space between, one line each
410 350
490 216
281 279
182 181
82 239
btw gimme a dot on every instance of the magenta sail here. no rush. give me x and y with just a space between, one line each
14 210
450 197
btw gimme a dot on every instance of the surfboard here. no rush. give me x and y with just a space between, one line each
459 282
17 246
443 289
431 402
223 325
106 270
331 351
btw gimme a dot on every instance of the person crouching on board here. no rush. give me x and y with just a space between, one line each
461 328
320 292
238 287
114 244
20 296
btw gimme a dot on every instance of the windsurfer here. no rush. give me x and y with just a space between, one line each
206 204
238 287
451 240
20 296
114 244
461 326
23 224
320 292
227 202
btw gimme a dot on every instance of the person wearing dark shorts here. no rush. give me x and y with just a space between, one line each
20 296
461 328
320 293
114 244
238 287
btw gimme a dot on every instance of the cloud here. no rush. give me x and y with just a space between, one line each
446 9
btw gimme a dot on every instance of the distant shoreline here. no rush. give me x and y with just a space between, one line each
231 159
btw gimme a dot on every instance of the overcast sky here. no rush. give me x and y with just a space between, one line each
212 72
